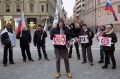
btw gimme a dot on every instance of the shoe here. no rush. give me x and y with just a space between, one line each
47 59
84 62
78 58
69 75
91 64
57 75
105 67
101 61
31 60
5 65
12 63
114 67
69 57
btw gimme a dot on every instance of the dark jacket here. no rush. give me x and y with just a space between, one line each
90 37
114 40
25 38
5 40
39 37
57 31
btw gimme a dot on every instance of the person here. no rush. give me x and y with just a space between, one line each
86 44
25 39
109 50
99 34
39 41
73 35
8 42
60 48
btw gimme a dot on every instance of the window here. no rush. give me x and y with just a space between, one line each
31 7
99 13
42 8
7 7
18 6
46 7
83 5
118 8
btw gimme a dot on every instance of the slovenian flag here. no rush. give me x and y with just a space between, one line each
21 24
109 8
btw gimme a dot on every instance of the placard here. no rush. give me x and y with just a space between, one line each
105 41
83 39
59 39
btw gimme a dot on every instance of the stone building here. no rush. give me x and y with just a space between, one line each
35 11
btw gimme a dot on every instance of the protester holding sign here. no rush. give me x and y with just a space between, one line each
74 36
108 41
86 36
8 41
60 36
101 30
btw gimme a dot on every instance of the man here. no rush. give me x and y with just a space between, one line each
39 41
73 35
8 42
25 40
60 35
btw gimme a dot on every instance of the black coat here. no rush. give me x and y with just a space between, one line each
25 38
114 40
5 40
57 31
90 37
39 37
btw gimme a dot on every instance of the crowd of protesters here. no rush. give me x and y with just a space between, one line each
69 32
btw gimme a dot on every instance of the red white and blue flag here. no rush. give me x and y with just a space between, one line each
21 24
109 8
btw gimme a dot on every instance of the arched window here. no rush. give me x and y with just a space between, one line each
31 7
18 6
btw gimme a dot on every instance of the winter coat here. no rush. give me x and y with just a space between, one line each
25 38
114 40
39 37
57 31
90 35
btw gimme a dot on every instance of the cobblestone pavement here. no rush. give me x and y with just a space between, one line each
46 69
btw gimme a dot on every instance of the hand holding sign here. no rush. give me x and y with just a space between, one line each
59 40
83 39
105 41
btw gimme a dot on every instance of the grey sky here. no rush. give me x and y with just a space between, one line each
68 5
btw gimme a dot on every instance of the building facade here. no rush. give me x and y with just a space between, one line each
35 11
95 13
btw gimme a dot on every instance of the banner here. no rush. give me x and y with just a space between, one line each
105 41
83 39
59 40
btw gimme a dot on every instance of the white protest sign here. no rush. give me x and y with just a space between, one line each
105 41
84 39
59 40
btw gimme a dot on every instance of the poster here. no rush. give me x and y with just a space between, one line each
83 39
105 41
59 40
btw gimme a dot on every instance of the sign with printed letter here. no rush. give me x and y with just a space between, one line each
83 39
105 41
59 40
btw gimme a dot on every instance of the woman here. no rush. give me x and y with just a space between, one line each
61 50
109 50
8 42
86 36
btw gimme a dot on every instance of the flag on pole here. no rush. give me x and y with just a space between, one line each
109 8
21 24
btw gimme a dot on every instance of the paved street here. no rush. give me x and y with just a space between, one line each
46 69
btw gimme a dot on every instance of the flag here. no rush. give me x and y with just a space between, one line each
21 24
109 8
45 27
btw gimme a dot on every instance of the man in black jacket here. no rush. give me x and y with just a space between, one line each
39 41
7 44
25 40
74 34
